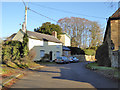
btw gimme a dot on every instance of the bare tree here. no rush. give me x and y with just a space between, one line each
83 33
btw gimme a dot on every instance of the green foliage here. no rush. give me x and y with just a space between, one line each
89 52
6 53
15 54
102 55
48 28
93 47
25 45
14 50
75 50
11 64
95 66
11 50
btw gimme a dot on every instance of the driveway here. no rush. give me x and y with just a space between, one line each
73 75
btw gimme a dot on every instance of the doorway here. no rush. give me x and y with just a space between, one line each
50 55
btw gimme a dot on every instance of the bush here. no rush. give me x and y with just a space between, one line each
31 54
89 52
102 55
24 44
15 54
45 58
11 64
11 50
76 51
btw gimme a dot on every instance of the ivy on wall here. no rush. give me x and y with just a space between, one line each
14 50
25 45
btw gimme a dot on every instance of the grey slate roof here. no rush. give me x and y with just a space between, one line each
42 36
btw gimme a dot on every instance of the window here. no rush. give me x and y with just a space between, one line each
58 46
42 53
66 53
57 54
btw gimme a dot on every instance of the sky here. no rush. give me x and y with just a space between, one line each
13 13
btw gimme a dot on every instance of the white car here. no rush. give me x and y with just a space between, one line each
71 59
62 60
75 59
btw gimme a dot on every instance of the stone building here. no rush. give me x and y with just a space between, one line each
112 37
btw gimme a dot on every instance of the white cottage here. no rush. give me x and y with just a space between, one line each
41 43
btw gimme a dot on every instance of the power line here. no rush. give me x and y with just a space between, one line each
24 3
41 14
67 11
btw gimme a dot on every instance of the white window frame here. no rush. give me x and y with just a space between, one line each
42 53
57 54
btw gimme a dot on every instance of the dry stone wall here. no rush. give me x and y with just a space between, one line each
85 57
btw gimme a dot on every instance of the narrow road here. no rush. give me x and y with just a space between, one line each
73 75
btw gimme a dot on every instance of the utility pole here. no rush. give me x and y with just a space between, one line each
24 25
25 19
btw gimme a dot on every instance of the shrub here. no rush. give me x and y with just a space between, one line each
89 52
102 55
31 54
75 50
6 53
15 54
24 44
45 58
94 47
11 50
11 64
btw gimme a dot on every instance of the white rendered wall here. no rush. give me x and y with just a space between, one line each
67 41
53 43
34 42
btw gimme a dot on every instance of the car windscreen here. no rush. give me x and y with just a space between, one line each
64 57
59 57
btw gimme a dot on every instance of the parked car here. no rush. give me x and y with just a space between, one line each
62 60
71 59
75 59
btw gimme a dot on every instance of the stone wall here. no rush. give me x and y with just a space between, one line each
85 57
115 33
115 59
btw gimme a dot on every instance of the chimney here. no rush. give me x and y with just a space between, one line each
54 33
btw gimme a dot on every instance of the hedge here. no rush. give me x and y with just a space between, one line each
14 50
76 51
102 55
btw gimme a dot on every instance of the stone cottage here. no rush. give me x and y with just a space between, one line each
112 37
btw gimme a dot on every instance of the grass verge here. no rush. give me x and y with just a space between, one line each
107 71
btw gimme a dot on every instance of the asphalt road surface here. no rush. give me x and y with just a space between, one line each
73 75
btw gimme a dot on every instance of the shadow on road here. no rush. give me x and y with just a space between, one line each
78 72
